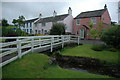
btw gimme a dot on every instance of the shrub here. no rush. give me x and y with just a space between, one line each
111 36
57 29
98 47
19 32
10 33
112 49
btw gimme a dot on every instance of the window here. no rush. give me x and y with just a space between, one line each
30 31
36 31
43 24
27 24
27 30
93 19
45 31
30 24
78 22
42 31
24 25
39 32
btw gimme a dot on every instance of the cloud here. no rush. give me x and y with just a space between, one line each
31 9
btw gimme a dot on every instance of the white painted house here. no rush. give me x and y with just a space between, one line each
119 12
43 25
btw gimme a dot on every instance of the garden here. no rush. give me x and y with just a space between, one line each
82 61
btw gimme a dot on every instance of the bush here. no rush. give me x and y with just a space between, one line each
99 47
19 32
11 33
111 36
112 49
57 29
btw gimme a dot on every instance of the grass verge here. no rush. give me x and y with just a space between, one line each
36 66
86 51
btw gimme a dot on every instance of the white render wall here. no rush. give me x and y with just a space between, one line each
47 27
68 21
25 27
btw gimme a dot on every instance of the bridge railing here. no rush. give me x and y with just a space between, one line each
23 45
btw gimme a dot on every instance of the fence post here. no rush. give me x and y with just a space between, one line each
32 45
62 41
69 37
40 41
52 41
78 40
19 48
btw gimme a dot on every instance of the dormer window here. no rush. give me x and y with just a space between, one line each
78 22
94 20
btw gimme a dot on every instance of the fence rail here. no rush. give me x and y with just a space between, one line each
24 45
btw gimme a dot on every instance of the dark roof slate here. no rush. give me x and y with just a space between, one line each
31 20
95 13
53 19
49 19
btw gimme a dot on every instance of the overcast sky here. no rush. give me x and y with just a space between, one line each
31 9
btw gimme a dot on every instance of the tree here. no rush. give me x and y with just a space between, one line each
20 21
111 36
5 22
96 32
57 29
15 22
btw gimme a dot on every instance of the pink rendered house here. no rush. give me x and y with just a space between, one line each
81 27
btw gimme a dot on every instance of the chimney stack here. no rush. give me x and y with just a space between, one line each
40 15
105 7
54 13
70 11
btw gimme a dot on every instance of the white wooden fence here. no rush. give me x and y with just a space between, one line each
20 44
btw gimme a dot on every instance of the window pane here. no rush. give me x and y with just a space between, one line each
30 30
78 22
93 19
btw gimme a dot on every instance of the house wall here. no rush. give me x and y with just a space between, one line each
47 27
106 17
84 21
69 23
25 27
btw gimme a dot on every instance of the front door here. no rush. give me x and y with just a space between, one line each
81 33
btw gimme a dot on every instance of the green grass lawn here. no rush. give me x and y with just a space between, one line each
36 66
86 51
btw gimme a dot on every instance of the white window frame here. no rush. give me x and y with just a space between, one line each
77 20
43 24
94 20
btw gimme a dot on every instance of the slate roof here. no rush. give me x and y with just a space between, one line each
96 13
49 19
31 20
53 19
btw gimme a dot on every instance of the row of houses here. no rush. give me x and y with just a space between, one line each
78 25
